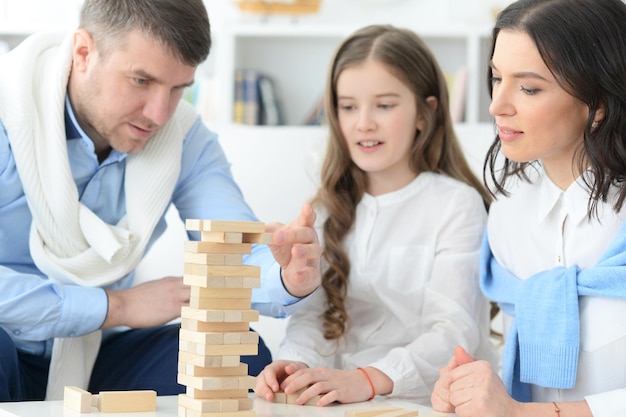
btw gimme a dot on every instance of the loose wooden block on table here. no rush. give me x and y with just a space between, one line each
281 397
126 401
399 413
370 412
77 399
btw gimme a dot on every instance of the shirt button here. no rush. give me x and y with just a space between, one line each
17 332
72 334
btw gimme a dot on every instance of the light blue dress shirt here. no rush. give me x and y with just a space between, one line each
34 309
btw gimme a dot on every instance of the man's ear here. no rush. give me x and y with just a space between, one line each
432 103
83 49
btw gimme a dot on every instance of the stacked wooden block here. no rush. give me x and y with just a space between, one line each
215 328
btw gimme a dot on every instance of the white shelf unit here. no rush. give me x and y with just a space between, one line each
296 56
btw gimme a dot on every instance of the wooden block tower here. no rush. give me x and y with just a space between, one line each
215 328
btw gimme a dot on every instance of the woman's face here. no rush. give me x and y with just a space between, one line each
535 117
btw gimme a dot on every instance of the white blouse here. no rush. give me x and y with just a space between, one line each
413 293
539 227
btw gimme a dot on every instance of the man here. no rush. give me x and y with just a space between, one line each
95 144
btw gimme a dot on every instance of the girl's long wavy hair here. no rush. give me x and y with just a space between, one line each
583 44
435 148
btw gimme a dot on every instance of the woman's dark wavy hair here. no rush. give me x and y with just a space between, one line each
583 43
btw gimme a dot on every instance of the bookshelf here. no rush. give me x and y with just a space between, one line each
296 57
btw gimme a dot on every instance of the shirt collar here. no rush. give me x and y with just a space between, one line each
575 199
74 131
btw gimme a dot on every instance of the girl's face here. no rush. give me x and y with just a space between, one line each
535 117
378 118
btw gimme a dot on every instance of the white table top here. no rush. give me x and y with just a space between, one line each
167 407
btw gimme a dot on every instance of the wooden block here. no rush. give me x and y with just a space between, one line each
399 413
250 271
219 315
200 292
225 226
217 383
260 238
370 412
212 258
214 371
221 303
208 405
220 282
215 405
222 237
208 361
207 338
217 394
218 350
77 399
202 326
280 398
217 248
192 413
219 338
126 401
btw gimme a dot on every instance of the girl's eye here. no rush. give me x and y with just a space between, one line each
346 107
495 80
141 81
386 106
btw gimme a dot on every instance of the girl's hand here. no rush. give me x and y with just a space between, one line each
332 384
268 381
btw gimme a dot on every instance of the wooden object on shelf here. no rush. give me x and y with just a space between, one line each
279 7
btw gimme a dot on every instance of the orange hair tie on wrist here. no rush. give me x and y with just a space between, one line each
370 381
557 410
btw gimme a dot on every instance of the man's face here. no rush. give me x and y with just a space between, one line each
122 98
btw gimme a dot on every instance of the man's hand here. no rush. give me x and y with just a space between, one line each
153 303
297 250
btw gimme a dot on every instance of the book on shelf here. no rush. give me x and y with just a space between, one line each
457 92
256 102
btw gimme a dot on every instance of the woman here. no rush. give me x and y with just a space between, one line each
554 254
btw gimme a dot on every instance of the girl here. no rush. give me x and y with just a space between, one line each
554 257
403 217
